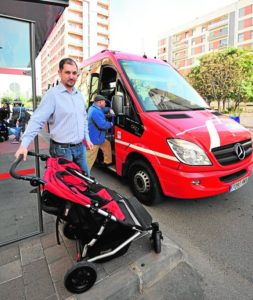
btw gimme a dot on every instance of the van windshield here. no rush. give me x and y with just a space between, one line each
160 88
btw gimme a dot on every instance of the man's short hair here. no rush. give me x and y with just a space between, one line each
68 61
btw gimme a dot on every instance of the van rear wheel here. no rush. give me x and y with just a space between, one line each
144 183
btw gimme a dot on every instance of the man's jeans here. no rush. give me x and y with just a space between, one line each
77 154
15 131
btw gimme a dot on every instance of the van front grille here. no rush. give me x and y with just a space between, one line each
227 155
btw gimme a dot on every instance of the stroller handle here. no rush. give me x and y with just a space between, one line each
35 181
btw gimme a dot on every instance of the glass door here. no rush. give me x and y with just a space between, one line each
20 214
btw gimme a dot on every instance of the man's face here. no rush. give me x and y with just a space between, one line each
68 75
102 103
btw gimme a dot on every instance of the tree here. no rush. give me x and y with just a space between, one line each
224 75
6 99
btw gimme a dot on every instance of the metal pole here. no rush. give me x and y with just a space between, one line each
36 140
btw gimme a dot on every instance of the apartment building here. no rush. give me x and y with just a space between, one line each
82 30
231 26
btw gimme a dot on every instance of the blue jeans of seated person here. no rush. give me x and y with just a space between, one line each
15 131
77 154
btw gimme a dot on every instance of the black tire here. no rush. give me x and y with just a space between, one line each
144 183
80 278
157 241
70 231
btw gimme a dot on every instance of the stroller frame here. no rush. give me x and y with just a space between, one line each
82 276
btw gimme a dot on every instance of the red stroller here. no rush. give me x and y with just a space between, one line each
102 222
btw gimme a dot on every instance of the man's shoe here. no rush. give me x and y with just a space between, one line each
14 142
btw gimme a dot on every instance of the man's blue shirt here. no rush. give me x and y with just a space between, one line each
65 113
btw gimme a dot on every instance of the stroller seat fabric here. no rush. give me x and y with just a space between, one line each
66 180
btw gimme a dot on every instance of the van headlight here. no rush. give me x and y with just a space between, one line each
188 153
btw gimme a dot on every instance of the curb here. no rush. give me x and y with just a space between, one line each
129 282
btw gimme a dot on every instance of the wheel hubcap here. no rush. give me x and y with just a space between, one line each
142 182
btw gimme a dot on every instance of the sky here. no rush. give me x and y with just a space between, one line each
136 25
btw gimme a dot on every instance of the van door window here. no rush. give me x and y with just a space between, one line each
108 82
130 119
93 86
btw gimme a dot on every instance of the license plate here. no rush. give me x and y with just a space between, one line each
238 184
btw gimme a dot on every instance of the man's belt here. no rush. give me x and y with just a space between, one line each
65 145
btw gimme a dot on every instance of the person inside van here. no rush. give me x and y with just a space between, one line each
98 126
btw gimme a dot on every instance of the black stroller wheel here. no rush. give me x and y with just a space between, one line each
80 277
69 231
157 235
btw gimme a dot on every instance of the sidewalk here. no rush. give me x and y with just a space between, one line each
34 268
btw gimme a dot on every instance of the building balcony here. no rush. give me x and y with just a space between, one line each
180 46
75 29
103 40
103 21
76 7
217 36
75 42
104 2
218 24
103 11
75 52
103 30
175 59
75 18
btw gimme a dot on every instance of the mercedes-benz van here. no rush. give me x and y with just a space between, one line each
166 139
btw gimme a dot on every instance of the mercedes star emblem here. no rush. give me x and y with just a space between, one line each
239 150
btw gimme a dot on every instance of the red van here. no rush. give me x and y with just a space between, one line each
166 139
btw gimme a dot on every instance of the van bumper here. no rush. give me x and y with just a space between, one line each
178 184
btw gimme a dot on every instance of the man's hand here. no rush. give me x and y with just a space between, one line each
21 150
111 112
89 145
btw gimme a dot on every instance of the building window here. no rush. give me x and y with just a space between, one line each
245 23
240 37
244 11
223 43
197 50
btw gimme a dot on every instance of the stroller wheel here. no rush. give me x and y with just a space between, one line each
156 237
80 277
69 231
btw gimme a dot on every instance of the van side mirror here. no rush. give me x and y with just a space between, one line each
117 104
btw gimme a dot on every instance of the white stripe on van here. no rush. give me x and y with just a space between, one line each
166 156
190 129
213 133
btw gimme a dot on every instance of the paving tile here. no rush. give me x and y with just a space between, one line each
59 268
40 289
48 240
61 290
55 253
9 253
10 271
31 252
35 271
12 290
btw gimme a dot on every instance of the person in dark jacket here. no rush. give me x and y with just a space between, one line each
98 126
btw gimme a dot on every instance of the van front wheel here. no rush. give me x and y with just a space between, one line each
144 183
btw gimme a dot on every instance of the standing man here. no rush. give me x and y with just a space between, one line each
98 126
64 109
